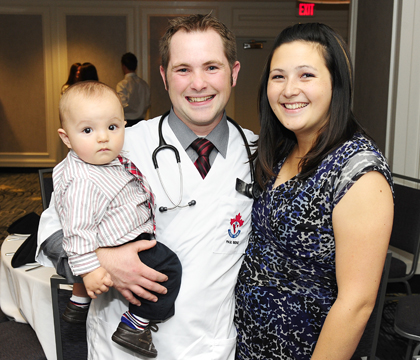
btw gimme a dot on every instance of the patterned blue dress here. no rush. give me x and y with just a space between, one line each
287 282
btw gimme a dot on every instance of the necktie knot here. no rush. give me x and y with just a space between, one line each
203 147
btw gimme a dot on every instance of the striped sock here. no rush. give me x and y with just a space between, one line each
82 302
134 321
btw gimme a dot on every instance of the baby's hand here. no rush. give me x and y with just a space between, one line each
97 282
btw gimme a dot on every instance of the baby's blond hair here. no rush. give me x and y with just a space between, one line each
88 89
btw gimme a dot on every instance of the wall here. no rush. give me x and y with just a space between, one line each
387 81
40 39
374 39
404 113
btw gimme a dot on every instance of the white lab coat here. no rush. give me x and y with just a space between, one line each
206 238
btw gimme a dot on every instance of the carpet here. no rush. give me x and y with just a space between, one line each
20 194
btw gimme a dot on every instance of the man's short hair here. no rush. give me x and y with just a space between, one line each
129 60
88 89
193 23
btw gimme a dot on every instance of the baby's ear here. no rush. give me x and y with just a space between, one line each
64 137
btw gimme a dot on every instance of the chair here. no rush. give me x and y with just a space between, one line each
55 281
70 339
407 323
46 185
369 340
406 231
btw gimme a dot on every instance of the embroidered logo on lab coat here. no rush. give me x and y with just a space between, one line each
235 224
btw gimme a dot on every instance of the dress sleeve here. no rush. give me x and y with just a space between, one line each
358 165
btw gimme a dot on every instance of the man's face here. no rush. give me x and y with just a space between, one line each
199 79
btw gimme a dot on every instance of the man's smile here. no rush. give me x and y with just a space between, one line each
200 99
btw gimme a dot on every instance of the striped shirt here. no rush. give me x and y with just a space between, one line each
98 206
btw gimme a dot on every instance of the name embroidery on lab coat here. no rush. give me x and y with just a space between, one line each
235 224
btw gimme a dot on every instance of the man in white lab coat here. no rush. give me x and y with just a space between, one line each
209 230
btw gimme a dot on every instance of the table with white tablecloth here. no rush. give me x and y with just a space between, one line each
25 295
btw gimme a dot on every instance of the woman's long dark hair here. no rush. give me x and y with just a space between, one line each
275 141
72 74
88 72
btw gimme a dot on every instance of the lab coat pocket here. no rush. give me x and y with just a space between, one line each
233 225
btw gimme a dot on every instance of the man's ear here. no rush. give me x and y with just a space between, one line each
235 71
162 73
63 135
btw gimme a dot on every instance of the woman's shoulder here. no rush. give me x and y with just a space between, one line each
64 88
358 146
358 143
355 158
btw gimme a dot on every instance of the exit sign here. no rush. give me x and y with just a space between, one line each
306 9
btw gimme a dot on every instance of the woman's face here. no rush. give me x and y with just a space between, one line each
299 88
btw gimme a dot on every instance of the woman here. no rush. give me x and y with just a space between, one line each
73 76
322 225
88 72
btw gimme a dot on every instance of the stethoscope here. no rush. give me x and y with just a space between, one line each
251 190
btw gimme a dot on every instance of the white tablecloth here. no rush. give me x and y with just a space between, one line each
26 295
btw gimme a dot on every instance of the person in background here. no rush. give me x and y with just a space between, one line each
199 69
73 76
88 72
321 228
133 91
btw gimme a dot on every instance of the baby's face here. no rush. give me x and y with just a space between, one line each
95 128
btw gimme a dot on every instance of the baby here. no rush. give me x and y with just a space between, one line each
103 200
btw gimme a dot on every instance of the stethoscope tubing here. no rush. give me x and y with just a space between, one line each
164 146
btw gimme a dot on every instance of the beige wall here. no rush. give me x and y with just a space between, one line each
100 40
40 39
371 86
22 87
404 109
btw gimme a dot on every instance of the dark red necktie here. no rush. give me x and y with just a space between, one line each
203 147
131 168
